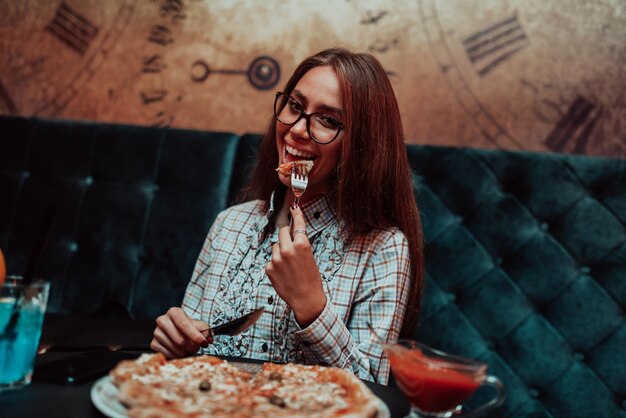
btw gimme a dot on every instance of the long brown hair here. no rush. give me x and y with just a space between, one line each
374 187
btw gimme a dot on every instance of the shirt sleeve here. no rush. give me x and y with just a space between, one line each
192 301
381 301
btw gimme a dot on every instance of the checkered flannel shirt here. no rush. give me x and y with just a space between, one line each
366 278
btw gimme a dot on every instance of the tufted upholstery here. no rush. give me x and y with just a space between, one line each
526 252
135 205
526 264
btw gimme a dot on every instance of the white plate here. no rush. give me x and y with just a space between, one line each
104 397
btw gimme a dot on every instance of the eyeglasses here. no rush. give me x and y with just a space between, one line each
322 128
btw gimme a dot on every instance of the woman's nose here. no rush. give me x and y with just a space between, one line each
299 129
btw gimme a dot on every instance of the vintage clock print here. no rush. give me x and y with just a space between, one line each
531 75
538 75
51 50
202 70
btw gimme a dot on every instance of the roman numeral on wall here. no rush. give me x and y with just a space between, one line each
153 64
152 95
72 28
572 132
495 44
161 35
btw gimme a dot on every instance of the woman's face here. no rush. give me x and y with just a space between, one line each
318 92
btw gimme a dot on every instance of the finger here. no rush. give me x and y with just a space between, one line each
299 225
275 253
269 270
190 347
186 327
167 327
156 346
205 330
164 342
284 238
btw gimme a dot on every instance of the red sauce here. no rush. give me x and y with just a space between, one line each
429 387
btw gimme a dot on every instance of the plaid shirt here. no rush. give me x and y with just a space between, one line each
366 278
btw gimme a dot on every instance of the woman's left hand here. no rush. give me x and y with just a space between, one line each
294 272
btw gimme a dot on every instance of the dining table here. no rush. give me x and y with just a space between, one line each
67 335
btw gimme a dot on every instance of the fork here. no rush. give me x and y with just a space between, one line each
299 181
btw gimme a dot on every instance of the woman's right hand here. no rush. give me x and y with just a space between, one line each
177 335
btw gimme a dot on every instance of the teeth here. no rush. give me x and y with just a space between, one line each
298 153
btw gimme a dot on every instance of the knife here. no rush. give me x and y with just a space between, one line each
236 326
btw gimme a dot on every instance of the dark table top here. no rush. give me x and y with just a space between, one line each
69 335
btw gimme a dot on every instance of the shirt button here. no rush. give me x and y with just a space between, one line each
270 300
264 347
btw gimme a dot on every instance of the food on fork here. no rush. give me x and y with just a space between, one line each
201 386
288 166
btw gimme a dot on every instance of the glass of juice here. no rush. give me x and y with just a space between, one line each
22 308
437 383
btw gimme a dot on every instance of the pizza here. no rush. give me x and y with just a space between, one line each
206 386
287 167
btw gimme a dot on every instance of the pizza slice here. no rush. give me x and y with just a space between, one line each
192 386
294 390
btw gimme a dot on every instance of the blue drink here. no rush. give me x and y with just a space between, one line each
18 343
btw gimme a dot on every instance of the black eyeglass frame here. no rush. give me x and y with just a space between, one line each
306 116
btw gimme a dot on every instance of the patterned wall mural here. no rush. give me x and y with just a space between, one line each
543 75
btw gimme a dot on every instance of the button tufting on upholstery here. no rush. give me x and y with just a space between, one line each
624 404
451 297
585 270
88 181
544 226
498 261
72 247
579 356
534 393
25 174
149 188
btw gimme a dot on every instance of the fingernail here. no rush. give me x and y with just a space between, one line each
294 206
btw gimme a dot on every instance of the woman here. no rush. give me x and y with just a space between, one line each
353 255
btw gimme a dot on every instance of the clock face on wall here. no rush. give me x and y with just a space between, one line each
535 75
50 51
208 71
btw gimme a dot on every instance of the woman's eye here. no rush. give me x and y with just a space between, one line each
295 105
328 121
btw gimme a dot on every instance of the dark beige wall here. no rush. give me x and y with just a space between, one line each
526 74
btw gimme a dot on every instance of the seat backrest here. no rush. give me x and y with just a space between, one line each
526 270
135 204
